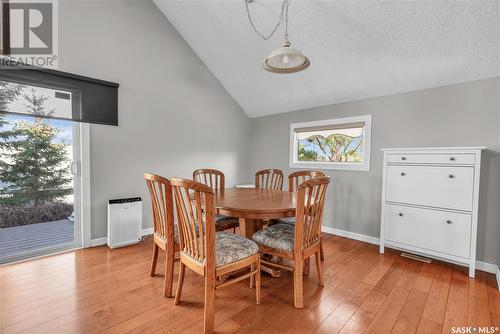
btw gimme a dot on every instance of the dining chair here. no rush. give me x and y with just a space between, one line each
209 253
215 179
300 241
164 234
269 179
294 180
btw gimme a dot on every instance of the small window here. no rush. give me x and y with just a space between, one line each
342 143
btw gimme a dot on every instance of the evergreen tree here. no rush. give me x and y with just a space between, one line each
8 93
36 168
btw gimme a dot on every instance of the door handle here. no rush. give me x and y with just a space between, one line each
74 168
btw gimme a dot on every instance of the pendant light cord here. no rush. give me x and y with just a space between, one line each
283 17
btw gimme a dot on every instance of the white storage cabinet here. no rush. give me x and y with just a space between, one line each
430 200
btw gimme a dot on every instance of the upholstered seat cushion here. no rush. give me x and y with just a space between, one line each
288 220
231 247
279 236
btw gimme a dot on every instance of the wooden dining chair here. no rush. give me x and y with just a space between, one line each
300 241
215 179
210 254
294 180
164 236
269 179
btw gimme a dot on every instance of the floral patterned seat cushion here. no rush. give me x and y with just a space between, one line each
288 220
231 247
279 236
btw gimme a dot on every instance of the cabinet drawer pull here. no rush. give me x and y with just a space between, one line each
452 158
400 214
403 174
403 158
451 176
449 222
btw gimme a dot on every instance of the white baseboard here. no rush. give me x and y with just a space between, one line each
350 235
147 231
104 240
483 266
98 242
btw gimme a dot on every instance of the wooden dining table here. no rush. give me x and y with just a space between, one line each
253 206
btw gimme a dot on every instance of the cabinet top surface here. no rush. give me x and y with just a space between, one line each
432 149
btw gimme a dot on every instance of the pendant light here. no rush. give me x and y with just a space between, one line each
285 59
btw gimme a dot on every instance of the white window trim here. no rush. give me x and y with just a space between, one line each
365 166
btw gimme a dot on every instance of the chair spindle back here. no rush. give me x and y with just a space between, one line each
269 179
160 192
309 214
211 177
196 218
296 178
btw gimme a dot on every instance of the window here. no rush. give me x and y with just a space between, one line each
342 143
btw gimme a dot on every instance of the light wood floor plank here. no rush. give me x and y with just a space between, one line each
109 291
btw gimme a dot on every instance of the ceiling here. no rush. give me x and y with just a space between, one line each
358 49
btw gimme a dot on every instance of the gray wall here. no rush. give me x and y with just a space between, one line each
459 115
174 116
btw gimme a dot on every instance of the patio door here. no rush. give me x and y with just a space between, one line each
40 173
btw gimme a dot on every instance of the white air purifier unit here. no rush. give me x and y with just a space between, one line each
124 221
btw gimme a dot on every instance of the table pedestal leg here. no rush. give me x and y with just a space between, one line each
247 229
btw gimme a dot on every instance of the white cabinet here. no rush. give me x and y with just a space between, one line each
430 202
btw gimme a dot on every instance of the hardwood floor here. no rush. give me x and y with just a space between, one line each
99 290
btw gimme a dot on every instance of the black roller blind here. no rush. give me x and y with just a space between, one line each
69 96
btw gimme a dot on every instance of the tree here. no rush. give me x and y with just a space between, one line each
337 147
36 168
306 155
8 93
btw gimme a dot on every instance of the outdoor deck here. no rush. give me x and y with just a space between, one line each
20 239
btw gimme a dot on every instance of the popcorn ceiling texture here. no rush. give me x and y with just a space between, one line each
357 49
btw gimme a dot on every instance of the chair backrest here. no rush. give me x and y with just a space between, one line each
195 206
296 178
211 177
162 206
309 213
269 179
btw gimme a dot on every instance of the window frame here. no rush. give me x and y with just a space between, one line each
365 166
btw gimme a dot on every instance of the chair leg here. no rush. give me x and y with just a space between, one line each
322 253
252 268
257 284
307 266
178 292
153 260
298 289
209 312
169 272
319 268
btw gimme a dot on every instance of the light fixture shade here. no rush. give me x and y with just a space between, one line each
286 60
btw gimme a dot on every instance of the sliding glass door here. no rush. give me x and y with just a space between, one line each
39 175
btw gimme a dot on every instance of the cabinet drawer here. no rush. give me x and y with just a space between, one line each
440 231
444 187
453 159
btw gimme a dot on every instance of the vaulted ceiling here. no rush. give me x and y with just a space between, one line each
358 49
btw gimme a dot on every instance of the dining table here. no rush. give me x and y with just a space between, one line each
254 208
